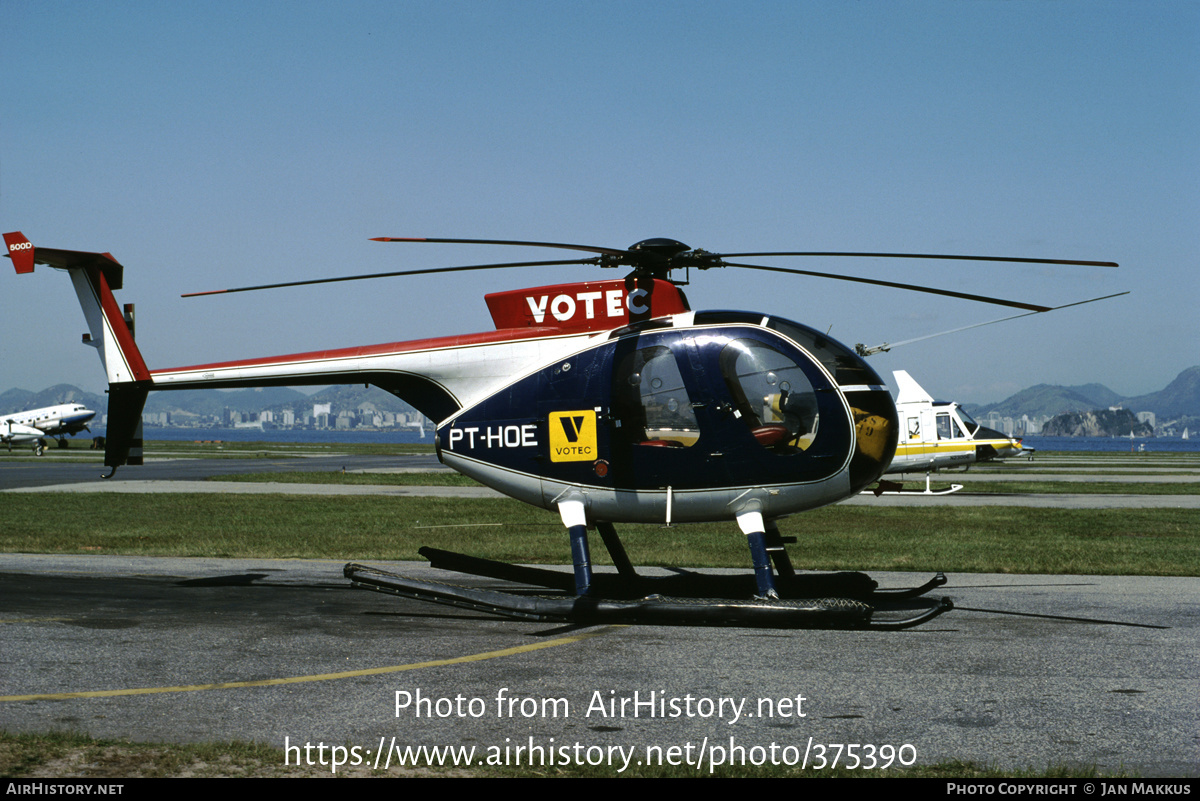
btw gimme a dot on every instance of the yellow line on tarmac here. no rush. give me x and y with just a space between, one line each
188 688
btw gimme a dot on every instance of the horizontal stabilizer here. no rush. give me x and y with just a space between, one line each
24 256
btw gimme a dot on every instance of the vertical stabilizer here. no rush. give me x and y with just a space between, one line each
95 276
909 390
20 250
110 334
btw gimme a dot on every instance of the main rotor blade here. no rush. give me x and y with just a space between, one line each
389 275
912 287
885 347
926 256
585 248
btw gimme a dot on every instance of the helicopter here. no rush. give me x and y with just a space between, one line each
936 435
608 402
942 434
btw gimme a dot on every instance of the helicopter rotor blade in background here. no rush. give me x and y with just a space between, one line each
886 346
390 275
1031 307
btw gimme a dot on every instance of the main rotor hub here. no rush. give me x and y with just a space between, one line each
657 257
660 246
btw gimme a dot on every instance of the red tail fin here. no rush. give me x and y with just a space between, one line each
20 250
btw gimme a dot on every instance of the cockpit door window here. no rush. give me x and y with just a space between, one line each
772 395
651 400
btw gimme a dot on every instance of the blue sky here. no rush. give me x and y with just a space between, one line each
213 144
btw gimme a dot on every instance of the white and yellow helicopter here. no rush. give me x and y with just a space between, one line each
606 402
938 435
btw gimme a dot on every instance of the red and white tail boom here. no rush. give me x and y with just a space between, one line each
437 376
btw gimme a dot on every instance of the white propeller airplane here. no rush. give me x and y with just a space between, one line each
33 426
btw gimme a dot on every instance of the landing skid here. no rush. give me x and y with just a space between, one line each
820 601
895 488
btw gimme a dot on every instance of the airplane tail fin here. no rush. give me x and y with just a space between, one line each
95 276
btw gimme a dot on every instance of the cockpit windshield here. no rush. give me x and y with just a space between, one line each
967 421
846 367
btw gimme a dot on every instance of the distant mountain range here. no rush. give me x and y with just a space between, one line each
1180 399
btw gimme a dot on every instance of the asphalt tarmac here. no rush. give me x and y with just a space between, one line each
1026 671
60 470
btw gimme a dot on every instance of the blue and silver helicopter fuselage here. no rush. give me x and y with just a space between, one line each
694 417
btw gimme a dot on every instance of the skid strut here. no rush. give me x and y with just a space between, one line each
852 602
786 600
656 609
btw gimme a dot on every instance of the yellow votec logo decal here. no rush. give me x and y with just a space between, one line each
573 436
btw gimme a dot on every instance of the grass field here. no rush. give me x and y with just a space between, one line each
1160 542
972 483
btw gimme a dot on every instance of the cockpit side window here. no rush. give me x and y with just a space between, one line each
943 426
947 427
771 395
651 401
